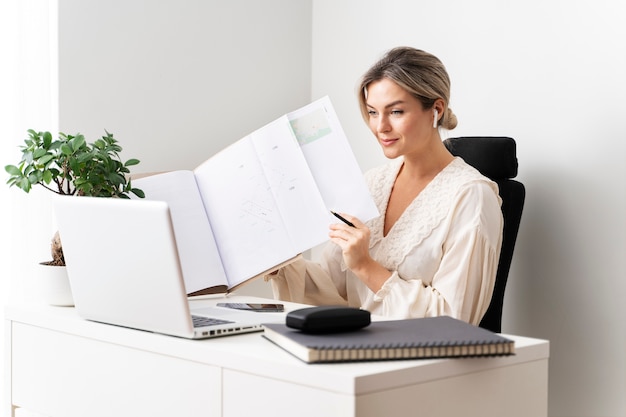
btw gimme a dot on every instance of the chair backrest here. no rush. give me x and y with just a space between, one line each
496 158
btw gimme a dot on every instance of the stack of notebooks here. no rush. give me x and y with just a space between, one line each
423 338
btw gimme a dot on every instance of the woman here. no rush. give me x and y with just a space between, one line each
434 250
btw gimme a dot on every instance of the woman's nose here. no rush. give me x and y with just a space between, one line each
383 125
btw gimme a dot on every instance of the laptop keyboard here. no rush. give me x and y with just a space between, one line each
200 321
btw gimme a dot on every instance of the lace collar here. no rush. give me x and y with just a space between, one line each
422 216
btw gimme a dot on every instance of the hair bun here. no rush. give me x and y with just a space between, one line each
449 120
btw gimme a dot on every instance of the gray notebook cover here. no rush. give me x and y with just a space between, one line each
431 337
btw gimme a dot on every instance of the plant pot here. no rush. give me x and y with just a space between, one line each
55 285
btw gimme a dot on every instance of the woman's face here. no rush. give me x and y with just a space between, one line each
398 120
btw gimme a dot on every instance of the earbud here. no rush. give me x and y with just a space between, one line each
435 119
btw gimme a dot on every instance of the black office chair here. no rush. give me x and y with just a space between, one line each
495 158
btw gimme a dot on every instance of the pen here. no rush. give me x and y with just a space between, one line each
349 223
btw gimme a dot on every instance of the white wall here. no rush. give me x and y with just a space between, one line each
8 51
28 82
551 75
27 48
176 81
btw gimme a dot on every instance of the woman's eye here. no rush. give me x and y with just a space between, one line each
397 112
372 113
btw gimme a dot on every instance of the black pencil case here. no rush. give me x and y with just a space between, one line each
328 319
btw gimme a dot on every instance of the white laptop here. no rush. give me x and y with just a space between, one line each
123 267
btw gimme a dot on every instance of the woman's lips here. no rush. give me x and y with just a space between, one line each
387 142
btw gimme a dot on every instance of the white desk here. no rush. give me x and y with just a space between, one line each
59 365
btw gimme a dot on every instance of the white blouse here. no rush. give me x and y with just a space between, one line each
443 252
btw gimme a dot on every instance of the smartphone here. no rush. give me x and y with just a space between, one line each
254 307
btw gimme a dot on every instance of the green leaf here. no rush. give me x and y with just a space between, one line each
45 159
24 184
47 139
78 182
12 170
32 177
84 157
47 176
131 162
66 149
38 153
85 188
116 178
139 193
35 177
78 142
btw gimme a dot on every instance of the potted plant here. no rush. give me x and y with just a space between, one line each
71 166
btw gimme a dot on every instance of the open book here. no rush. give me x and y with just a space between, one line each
263 200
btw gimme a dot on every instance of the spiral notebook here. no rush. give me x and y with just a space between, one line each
423 338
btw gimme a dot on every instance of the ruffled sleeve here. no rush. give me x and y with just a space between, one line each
307 282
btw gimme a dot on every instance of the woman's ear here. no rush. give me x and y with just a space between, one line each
438 109
440 106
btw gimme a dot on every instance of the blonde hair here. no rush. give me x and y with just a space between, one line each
422 74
